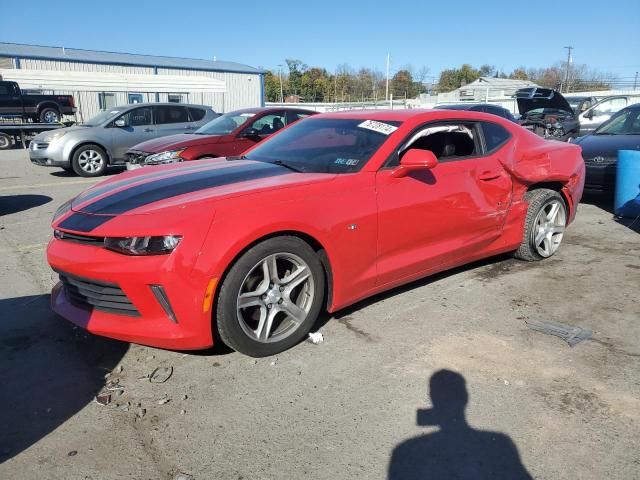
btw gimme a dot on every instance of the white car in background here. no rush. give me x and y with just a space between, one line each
602 111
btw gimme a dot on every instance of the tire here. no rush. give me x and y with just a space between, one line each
265 325
543 229
89 161
49 115
5 141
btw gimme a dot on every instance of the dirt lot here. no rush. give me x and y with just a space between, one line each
356 406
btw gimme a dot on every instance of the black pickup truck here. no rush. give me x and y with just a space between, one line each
39 108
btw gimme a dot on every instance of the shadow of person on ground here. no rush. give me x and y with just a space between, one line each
456 451
50 370
18 203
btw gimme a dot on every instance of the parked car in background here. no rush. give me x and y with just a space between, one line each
547 113
227 135
39 108
480 107
600 149
88 149
333 209
597 114
580 103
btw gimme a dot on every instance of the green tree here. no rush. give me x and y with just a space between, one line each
453 78
271 86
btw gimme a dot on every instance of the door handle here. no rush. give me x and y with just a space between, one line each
148 129
489 175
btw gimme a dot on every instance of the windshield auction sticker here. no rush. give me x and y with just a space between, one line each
379 127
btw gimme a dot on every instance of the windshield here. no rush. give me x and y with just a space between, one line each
327 145
225 124
625 122
101 118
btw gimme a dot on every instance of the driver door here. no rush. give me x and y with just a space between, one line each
433 218
137 128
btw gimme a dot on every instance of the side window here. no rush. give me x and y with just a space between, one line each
169 114
610 106
138 117
494 135
196 114
269 123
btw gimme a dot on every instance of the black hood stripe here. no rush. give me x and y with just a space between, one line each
151 192
97 191
81 222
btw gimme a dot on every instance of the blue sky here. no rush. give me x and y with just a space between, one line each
329 33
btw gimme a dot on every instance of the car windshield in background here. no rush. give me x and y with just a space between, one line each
225 124
327 145
101 118
625 122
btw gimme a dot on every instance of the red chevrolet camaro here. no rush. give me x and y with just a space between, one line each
333 209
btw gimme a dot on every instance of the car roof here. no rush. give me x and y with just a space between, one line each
167 104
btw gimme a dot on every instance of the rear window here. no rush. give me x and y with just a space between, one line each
170 114
494 135
196 114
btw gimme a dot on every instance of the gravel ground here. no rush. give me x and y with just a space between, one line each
358 405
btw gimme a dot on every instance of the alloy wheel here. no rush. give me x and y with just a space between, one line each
549 228
90 161
50 117
275 297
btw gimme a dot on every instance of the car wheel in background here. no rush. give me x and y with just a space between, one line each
49 115
544 225
271 297
5 141
89 161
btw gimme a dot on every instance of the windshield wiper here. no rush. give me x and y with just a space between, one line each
284 164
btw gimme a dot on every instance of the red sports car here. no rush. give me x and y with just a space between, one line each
334 209
226 135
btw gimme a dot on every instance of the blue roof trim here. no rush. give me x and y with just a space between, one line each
17 50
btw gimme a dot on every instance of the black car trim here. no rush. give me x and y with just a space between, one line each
81 222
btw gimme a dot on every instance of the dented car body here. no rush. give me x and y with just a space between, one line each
547 113
343 205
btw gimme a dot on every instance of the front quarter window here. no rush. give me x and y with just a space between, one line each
326 145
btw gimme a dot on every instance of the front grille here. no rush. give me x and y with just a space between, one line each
39 145
83 239
600 160
90 294
136 157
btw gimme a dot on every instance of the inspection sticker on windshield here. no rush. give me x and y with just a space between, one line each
379 127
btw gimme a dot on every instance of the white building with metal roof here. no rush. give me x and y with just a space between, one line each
100 80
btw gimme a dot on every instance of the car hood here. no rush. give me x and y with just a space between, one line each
607 145
531 98
170 188
176 142
75 128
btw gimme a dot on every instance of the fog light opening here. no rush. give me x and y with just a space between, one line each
163 300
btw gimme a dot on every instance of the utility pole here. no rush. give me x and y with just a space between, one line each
635 81
386 95
566 80
281 90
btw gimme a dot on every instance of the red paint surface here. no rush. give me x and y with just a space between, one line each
407 227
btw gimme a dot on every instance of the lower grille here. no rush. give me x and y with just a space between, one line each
136 157
90 294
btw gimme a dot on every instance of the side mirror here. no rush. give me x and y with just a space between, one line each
251 133
415 159
589 114
120 122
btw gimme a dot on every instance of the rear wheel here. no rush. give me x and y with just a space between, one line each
49 115
271 297
544 225
5 141
89 161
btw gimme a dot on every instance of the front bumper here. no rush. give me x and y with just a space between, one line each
191 327
47 155
600 176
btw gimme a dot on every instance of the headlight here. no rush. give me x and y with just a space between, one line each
53 135
172 156
143 245
62 209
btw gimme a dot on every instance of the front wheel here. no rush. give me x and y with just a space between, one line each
5 141
271 297
544 225
89 161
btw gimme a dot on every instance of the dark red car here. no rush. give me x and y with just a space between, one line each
227 135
